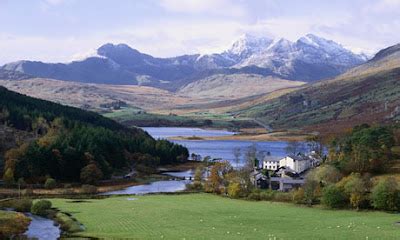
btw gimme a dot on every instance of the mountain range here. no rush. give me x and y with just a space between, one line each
369 93
310 58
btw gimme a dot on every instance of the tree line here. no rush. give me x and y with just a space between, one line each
75 145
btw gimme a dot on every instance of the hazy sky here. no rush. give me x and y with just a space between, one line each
62 30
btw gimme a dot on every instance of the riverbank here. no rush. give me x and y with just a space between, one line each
105 186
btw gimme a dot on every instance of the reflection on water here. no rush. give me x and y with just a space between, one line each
166 132
155 187
216 148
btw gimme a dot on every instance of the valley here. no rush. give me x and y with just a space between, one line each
199 120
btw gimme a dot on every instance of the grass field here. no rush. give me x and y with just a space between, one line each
203 216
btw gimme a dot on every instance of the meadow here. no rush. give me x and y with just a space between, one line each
205 216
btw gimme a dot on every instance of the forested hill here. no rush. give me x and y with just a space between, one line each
23 110
71 144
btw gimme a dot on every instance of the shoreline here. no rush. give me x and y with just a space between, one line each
107 186
256 137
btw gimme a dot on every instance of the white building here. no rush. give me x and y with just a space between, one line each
298 164
271 164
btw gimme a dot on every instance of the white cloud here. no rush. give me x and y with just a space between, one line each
219 7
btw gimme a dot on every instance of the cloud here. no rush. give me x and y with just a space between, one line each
218 7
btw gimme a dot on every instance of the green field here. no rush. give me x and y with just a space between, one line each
203 216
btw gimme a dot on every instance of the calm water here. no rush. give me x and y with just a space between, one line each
166 132
42 229
155 187
216 149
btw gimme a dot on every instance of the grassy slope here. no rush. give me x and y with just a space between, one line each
136 117
355 97
203 216
235 86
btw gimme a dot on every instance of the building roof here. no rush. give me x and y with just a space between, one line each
298 157
272 159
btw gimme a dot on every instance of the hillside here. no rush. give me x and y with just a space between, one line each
369 93
97 97
235 86
65 142
310 58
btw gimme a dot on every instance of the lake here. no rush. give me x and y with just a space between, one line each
215 148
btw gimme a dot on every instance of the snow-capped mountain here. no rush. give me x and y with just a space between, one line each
310 58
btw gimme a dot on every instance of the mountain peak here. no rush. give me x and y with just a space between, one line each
248 44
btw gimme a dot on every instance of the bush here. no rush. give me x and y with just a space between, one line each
267 195
41 207
386 195
50 183
255 195
23 205
283 197
19 205
298 196
195 186
8 177
89 189
13 224
234 190
333 197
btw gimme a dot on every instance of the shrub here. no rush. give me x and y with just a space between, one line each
386 195
333 197
255 195
89 189
356 189
195 186
19 205
234 190
50 183
41 207
8 177
23 205
283 197
13 224
311 189
267 195
298 196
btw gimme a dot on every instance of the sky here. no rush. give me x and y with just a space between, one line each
66 30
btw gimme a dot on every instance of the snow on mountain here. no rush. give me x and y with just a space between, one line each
310 58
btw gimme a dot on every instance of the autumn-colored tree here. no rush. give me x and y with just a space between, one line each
356 189
234 190
214 181
326 174
8 176
91 174
198 177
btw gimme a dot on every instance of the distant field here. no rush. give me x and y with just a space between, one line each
203 216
